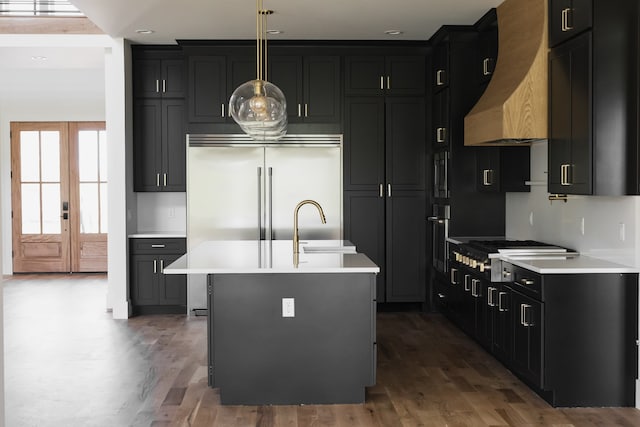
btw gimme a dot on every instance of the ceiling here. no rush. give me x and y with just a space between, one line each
302 19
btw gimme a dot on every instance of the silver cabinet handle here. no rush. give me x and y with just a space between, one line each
490 301
299 110
223 111
474 288
270 175
381 82
525 281
565 20
388 82
487 177
164 179
485 67
439 79
440 134
164 86
155 266
523 315
388 190
500 305
306 110
565 172
162 266
157 86
467 285
381 191
157 246
454 276
441 296
157 180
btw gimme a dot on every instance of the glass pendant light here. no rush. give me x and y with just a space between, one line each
258 106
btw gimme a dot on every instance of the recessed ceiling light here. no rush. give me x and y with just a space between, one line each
39 58
145 32
273 32
393 32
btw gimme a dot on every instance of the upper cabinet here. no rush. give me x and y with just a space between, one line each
487 52
159 78
311 86
593 98
567 18
385 75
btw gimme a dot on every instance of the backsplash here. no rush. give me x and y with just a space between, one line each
601 227
162 212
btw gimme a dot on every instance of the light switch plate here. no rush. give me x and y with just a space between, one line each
288 307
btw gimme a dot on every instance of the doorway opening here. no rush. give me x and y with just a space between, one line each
59 196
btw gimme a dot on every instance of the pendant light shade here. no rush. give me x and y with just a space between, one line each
258 106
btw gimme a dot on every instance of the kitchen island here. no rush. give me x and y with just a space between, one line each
285 329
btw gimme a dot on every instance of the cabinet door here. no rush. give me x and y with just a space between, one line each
487 54
364 75
405 75
208 101
240 69
488 170
144 284
364 226
570 138
441 131
405 143
174 145
173 84
568 18
364 144
441 66
503 325
527 338
321 89
147 78
147 150
406 246
172 288
285 71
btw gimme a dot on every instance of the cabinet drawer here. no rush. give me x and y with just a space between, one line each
525 281
158 246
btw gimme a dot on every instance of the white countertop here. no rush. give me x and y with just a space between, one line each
579 264
158 235
250 256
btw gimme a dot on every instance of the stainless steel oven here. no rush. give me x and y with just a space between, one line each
440 233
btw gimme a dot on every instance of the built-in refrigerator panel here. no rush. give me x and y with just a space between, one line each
224 193
299 173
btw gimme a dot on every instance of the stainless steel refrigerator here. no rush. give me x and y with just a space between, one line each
240 189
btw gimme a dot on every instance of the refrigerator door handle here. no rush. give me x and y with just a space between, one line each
271 204
259 210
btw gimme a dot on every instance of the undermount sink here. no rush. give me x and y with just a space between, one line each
327 247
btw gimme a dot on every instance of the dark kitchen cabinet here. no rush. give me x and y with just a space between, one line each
487 52
570 106
155 77
403 75
501 310
528 323
593 101
159 151
567 18
311 85
384 169
503 169
151 291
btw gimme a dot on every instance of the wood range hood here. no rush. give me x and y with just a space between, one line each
513 109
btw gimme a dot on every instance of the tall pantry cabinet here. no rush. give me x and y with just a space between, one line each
384 174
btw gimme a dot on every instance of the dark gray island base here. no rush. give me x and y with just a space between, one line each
324 354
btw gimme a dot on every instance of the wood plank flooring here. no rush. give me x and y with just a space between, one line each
68 363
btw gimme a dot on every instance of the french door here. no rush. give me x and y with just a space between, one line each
59 196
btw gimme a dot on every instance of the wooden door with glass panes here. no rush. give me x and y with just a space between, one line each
59 190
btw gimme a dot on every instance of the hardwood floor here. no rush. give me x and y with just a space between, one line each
68 363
